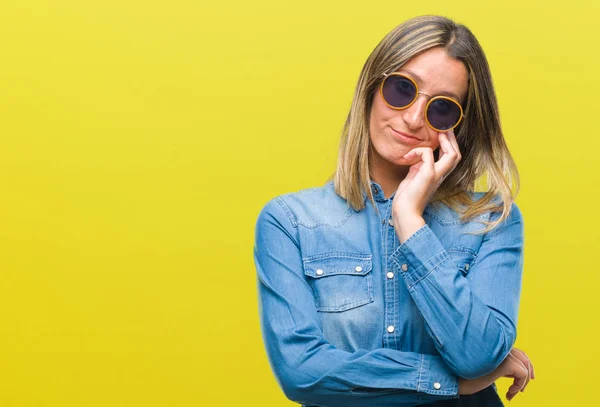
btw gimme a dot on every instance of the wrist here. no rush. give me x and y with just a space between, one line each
406 225
470 386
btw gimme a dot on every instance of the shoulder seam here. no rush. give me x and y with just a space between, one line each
287 211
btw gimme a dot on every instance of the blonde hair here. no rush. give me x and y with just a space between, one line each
479 135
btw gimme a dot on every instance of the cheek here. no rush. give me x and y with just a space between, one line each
377 118
434 138
377 123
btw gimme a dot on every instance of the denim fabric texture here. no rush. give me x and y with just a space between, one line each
351 317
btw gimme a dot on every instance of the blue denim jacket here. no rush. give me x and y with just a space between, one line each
351 317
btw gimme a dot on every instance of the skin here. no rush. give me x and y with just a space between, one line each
410 170
442 74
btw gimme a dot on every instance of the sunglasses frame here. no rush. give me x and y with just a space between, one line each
431 99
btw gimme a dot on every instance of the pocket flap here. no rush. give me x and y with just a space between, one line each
323 265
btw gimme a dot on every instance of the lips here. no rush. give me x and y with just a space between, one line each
405 134
404 138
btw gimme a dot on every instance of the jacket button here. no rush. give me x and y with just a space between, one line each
390 222
319 272
436 385
390 328
358 269
389 274
404 267
467 267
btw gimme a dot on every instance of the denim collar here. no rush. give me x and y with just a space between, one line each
378 194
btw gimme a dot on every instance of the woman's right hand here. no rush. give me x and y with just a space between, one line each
516 365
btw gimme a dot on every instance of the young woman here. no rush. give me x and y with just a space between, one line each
411 298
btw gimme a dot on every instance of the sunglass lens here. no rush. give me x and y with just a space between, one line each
443 114
398 91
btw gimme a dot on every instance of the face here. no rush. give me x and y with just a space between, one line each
435 74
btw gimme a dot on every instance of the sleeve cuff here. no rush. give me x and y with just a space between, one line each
435 377
419 255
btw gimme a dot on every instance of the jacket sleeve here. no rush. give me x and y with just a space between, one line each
471 318
308 368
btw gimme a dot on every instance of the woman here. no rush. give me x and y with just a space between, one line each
405 300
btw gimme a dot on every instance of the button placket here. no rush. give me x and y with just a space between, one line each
391 305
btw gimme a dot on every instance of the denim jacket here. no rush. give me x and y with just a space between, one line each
351 317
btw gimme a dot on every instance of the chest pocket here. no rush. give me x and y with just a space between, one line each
340 281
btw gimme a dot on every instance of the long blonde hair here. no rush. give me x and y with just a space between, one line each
479 135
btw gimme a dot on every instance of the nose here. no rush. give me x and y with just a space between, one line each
414 116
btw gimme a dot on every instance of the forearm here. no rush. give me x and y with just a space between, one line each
308 368
472 336
471 386
312 371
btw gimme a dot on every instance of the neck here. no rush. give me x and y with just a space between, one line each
386 174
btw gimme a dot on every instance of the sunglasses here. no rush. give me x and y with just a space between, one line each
442 113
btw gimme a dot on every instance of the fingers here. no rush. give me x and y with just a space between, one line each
452 138
526 361
531 371
448 158
424 153
516 387
443 166
449 155
520 374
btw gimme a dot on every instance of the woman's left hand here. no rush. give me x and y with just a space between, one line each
422 180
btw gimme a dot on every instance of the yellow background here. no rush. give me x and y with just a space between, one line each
140 139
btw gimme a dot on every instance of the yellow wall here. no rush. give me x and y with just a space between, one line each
140 139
